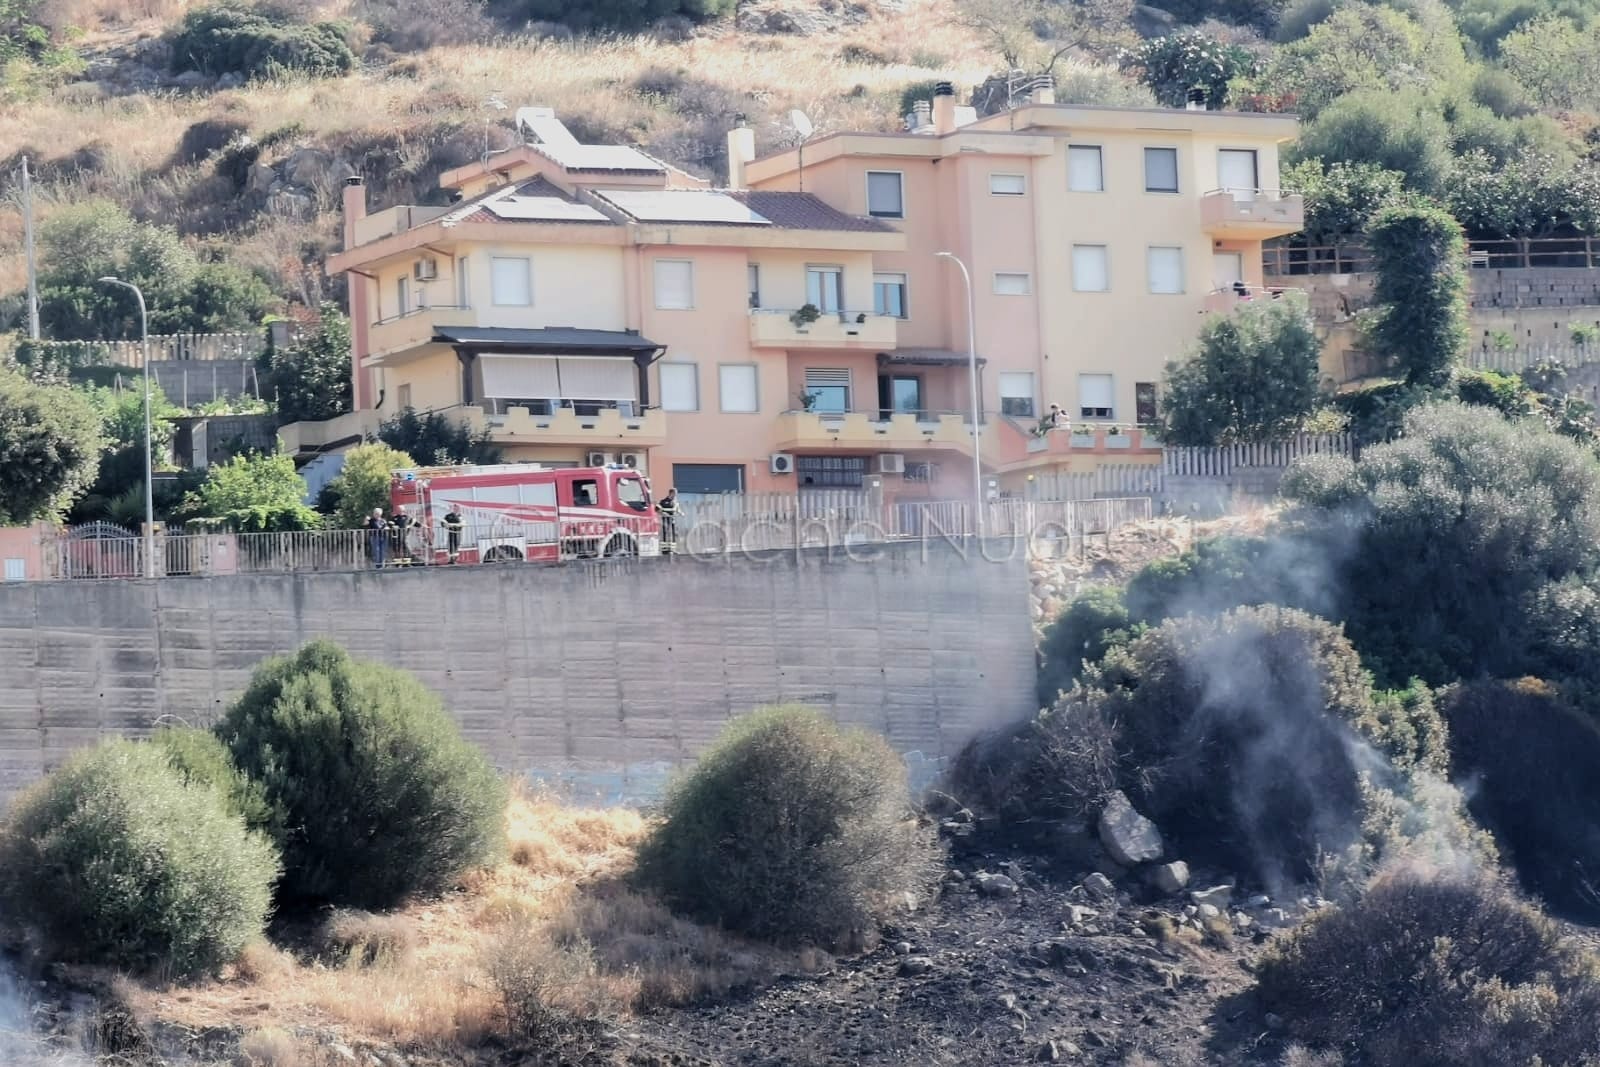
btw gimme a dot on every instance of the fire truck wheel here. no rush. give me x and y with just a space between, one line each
622 545
502 554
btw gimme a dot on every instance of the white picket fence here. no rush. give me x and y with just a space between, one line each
1220 462
1126 479
1516 360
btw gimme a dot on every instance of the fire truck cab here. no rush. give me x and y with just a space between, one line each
523 512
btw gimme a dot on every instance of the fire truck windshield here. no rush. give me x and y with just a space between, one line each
631 492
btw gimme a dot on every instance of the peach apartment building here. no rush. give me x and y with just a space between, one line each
795 330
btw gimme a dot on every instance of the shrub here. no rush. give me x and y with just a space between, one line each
225 38
1506 393
789 828
253 493
363 482
201 759
551 994
1419 255
49 448
373 793
310 379
1527 761
620 14
1399 132
437 438
1436 971
1174 64
117 859
1093 622
1228 572
361 939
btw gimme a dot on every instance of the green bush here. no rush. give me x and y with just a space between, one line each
437 438
1436 970
200 758
373 794
1228 572
117 859
1420 258
621 14
1526 761
789 828
50 444
1093 622
256 43
1506 393
363 483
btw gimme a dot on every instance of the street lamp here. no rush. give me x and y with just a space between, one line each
972 371
149 492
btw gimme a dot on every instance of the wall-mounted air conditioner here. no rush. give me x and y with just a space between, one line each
782 463
632 460
425 269
597 459
891 463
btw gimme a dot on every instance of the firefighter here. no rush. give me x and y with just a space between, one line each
378 537
452 532
667 508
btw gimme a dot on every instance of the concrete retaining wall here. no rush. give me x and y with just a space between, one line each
601 676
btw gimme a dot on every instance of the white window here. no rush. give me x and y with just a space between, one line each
674 284
403 397
825 288
886 194
1227 269
510 282
752 275
889 295
1166 269
1012 284
738 385
1091 272
680 386
402 292
1237 174
1095 396
1016 394
828 390
1084 171
1160 170
1008 184
16 570
463 283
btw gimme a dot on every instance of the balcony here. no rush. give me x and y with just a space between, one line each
1222 301
864 431
413 329
565 426
773 328
1251 214
394 220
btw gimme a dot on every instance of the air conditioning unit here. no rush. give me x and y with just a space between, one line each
782 463
425 269
891 463
632 460
597 459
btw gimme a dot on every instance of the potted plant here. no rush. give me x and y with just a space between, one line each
808 400
1117 437
805 316
1083 436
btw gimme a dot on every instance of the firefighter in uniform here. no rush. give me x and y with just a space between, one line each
667 508
452 532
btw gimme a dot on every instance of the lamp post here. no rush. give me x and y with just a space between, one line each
972 373
149 491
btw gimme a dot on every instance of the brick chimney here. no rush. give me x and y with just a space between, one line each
741 150
355 209
944 108
1044 90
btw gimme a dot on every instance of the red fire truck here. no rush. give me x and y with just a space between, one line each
521 511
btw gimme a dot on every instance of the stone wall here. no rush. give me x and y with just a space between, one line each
601 676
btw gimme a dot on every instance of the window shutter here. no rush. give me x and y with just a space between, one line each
1011 284
1096 391
1166 270
1016 384
674 284
520 377
1084 173
598 378
818 376
510 282
738 387
1008 184
1089 270
680 387
884 195
1161 170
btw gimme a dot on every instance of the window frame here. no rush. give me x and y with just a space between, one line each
1021 178
464 281
1027 282
655 283
1177 170
752 282
1100 154
694 376
1032 396
755 375
1105 256
900 179
1110 413
527 262
905 292
826 268
1149 274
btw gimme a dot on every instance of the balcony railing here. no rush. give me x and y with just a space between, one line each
1252 212
1512 254
583 424
416 327
783 328
877 430
1230 297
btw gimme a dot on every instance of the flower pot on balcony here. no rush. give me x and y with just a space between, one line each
1115 438
1082 440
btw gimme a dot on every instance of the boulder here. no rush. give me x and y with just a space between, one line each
995 885
1151 22
1099 885
1128 836
912 966
1171 877
1218 896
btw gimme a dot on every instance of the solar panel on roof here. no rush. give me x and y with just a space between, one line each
683 205
600 157
544 208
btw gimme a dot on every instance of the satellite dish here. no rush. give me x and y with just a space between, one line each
801 124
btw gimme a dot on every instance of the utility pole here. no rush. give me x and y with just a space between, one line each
27 242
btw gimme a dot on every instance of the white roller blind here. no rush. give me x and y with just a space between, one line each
1084 174
1166 270
1096 391
884 197
1008 184
1090 273
598 378
1161 170
680 387
1236 169
737 382
1016 384
816 376
510 281
519 377
674 284
1011 284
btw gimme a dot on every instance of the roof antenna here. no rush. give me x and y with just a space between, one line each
496 104
803 130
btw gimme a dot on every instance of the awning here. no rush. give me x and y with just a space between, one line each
551 339
526 377
924 357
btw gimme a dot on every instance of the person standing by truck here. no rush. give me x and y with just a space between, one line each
667 508
377 537
452 532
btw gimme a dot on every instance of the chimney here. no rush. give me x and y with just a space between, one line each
355 207
922 114
1044 90
1197 100
741 150
944 108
